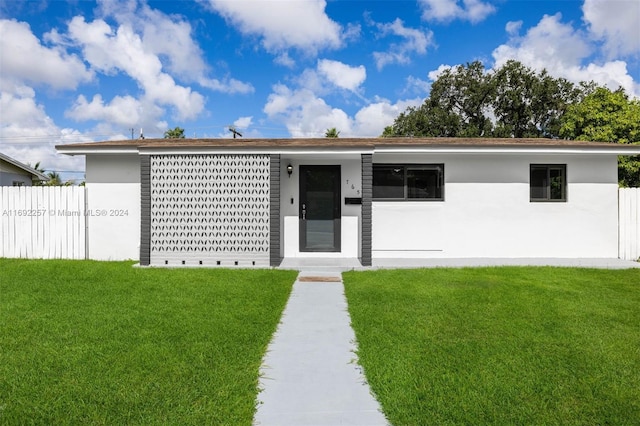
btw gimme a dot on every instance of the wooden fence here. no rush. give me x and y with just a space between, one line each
629 223
46 222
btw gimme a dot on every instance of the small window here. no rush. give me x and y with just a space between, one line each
408 182
18 183
548 182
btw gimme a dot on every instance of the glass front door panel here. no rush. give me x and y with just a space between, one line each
320 208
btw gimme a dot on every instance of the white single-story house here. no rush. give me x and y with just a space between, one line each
255 202
14 173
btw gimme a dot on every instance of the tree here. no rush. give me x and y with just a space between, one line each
176 133
467 101
463 94
54 177
332 133
458 106
38 168
606 116
56 180
527 104
427 120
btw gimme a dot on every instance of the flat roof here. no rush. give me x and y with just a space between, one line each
338 144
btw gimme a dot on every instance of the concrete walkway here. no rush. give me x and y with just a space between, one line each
310 374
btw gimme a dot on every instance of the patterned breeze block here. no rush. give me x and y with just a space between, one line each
210 210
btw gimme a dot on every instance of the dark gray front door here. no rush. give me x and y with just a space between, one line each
320 208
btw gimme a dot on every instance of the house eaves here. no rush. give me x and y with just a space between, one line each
34 173
350 145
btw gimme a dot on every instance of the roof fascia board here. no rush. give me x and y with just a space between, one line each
227 151
96 150
28 169
508 150
407 149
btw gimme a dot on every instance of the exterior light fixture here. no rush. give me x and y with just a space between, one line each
289 170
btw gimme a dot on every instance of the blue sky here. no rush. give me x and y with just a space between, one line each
87 71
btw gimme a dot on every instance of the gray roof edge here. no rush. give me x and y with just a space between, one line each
369 145
26 168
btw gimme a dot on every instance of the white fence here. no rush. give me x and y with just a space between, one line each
629 223
50 222
43 222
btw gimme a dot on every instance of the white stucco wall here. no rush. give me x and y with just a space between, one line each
487 212
113 207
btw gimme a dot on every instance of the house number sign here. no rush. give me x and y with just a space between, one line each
353 186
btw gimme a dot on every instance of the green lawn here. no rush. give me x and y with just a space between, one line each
85 342
500 345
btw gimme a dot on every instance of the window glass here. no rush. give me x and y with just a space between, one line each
402 182
556 183
388 182
423 183
548 182
538 182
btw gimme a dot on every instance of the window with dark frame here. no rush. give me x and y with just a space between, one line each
408 182
548 182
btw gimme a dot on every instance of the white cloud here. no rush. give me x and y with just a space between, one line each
307 115
371 120
331 76
110 51
414 42
300 24
29 134
170 38
304 114
25 60
433 75
342 75
448 10
417 86
563 51
285 60
513 27
550 43
617 23
243 122
123 111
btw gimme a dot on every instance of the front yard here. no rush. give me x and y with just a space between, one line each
105 343
500 345
85 342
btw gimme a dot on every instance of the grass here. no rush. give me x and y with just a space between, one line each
500 345
85 342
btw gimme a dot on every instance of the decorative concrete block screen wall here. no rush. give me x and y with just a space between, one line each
210 210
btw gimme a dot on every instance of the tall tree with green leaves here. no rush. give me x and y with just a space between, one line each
607 116
463 95
527 104
426 120
175 133
468 101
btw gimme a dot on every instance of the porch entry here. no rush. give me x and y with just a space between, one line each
320 208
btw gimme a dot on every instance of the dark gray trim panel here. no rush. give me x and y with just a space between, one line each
145 210
367 194
274 186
